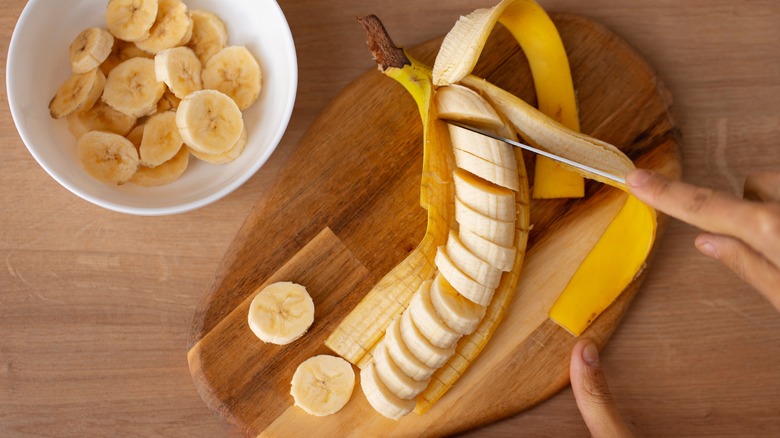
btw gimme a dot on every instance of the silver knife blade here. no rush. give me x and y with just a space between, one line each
549 155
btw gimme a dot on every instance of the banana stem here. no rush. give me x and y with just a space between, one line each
383 49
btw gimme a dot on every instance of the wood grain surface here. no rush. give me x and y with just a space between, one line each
95 306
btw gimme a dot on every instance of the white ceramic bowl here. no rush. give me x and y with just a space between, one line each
38 64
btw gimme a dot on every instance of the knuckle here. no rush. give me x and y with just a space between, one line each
767 220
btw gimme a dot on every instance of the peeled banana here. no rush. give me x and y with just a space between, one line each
133 89
131 20
209 122
170 27
108 157
180 69
78 93
281 313
161 140
209 35
90 48
322 385
235 72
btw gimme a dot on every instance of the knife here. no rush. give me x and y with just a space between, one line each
586 168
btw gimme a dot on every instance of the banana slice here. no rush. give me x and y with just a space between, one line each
121 52
430 324
90 48
491 172
456 102
500 232
460 314
481 271
235 72
108 157
227 156
132 88
100 117
281 312
161 140
169 28
180 69
131 20
322 385
502 257
188 34
381 398
422 348
393 377
168 102
78 93
165 173
402 356
489 199
465 285
489 149
136 136
209 121
209 35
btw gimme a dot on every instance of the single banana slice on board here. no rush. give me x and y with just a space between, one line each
456 102
131 20
180 69
381 398
481 271
227 156
209 121
460 314
161 140
482 196
133 89
428 321
322 384
402 356
490 172
465 285
235 72
90 48
78 93
164 173
209 34
502 257
100 117
393 377
281 313
169 28
108 157
499 232
421 347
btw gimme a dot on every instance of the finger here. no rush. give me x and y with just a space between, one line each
756 224
592 393
745 262
763 186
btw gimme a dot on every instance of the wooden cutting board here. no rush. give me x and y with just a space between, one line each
346 210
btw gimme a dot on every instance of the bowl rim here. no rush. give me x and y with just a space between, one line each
286 40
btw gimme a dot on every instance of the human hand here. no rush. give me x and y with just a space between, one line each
743 234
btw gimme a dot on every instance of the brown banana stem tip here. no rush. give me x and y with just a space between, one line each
382 48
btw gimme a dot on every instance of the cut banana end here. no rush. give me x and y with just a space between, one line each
393 377
209 121
499 232
78 93
456 102
227 156
381 398
180 69
90 48
165 173
489 199
235 72
100 117
501 257
209 35
161 140
428 321
130 20
402 356
169 29
108 157
465 285
133 89
460 314
481 271
281 313
322 385
421 347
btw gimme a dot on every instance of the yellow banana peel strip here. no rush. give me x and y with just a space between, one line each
542 45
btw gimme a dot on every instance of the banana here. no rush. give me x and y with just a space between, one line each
322 385
131 20
381 398
132 88
209 121
402 356
281 312
168 102
209 35
100 117
227 156
421 347
161 139
465 285
502 257
500 232
90 48
164 173
188 34
235 72
78 93
428 321
482 196
481 271
108 157
456 102
490 172
180 69
460 314
393 377
136 136
169 29
121 52
489 149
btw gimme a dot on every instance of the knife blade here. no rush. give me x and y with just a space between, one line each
585 167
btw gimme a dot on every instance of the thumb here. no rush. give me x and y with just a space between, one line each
592 393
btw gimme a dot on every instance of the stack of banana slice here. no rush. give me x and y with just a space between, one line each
164 74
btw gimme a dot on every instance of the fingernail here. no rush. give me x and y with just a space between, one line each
638 177
707 248
590 354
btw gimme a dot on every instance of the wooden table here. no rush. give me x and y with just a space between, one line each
95 306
